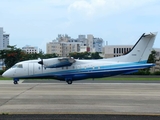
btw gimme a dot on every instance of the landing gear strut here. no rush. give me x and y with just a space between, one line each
15 81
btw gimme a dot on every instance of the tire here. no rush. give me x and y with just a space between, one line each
15 82
69 81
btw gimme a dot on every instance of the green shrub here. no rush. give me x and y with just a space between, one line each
157 73
1 72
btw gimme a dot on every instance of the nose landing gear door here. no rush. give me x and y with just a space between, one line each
30 69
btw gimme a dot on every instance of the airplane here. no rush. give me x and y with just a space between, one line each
69 69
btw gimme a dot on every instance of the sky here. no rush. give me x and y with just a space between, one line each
120 22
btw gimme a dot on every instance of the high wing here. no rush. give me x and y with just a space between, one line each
57 62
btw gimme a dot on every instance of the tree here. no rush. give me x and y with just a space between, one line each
11 56
85 55
50 55
95 55
152 57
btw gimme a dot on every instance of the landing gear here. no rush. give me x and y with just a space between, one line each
69 81
15 81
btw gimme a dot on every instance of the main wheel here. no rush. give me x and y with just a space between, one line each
69 81
15 82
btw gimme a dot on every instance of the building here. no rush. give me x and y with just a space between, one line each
29 49
1 38
4 39
116 50
4 42
54 47
97 45
90 42
63 45
63 48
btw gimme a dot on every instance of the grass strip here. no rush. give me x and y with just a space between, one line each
128 78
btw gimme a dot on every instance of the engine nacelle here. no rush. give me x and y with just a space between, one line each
56 62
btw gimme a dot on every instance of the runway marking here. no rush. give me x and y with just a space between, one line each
17 95
81 98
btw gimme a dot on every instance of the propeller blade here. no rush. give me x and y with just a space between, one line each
41 62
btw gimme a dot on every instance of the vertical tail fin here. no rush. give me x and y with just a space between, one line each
141 50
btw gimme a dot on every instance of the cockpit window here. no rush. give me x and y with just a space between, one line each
18 66
14 66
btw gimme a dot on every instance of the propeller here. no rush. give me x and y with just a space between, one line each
41 62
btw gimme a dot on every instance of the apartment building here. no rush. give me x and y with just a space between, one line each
30 49
63 48
63 45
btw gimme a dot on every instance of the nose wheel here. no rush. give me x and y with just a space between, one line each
15 81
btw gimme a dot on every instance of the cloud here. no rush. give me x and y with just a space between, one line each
85 8
59 2
41 20
89 9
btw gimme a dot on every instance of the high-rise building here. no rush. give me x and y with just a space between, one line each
4 39
1 38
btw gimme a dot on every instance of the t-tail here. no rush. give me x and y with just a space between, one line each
140 51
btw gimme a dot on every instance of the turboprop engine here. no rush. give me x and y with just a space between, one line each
57 62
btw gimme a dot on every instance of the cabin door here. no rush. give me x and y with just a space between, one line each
30 69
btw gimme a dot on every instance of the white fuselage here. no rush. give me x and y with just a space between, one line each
82 68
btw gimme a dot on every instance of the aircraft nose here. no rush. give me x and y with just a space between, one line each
6 74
